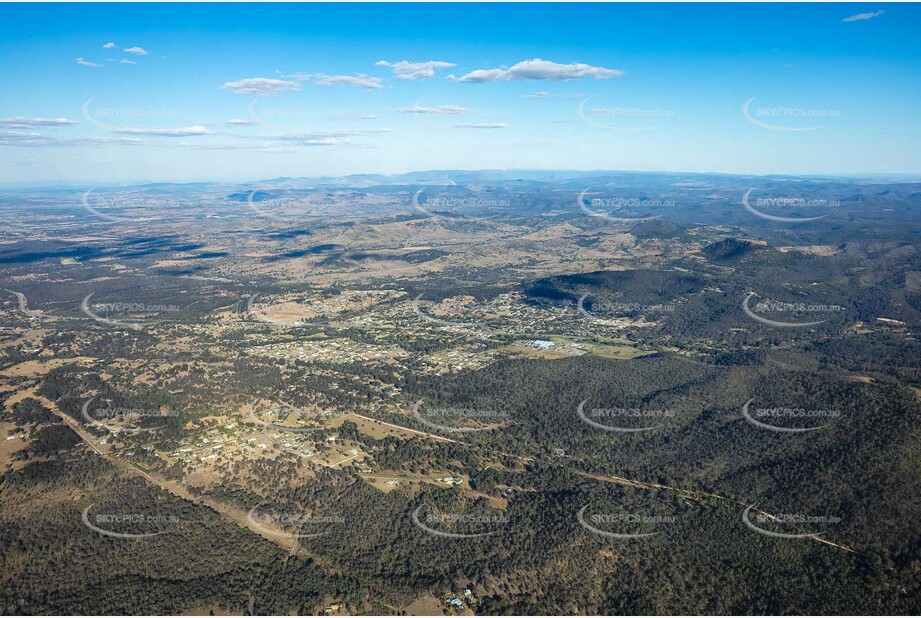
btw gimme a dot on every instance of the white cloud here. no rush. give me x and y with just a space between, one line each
20 122
262 86
311 140
124 61
183 132
543 94
483 75
251 147
325 137
538 69
352 118
137 51
441 110
328 138
109 46
241 122
480 125
87 63
360 81
415 70
322 79
322 141
101 141
863 16
9 138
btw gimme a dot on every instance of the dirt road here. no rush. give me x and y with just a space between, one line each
407 429
231 513
698 496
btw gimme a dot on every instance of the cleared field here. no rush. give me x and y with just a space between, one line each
532 352
425 606
375 429
566 347
10 443
285 313
617 352
378 480
339 455
381 484
35 368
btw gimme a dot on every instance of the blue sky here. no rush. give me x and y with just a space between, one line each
249 91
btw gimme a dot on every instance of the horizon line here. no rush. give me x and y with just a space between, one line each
824 175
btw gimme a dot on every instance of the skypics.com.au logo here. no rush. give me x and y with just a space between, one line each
612 313
280 314
787 119
473 329
127 524
126 206
125 417
286 417
767 418
460 204
615 203
623 119
459 420
125 120
458 525
762 522
798 203
125 314
290 208
624 420
769 306
292 524
617 525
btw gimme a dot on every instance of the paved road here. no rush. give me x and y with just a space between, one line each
24 305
